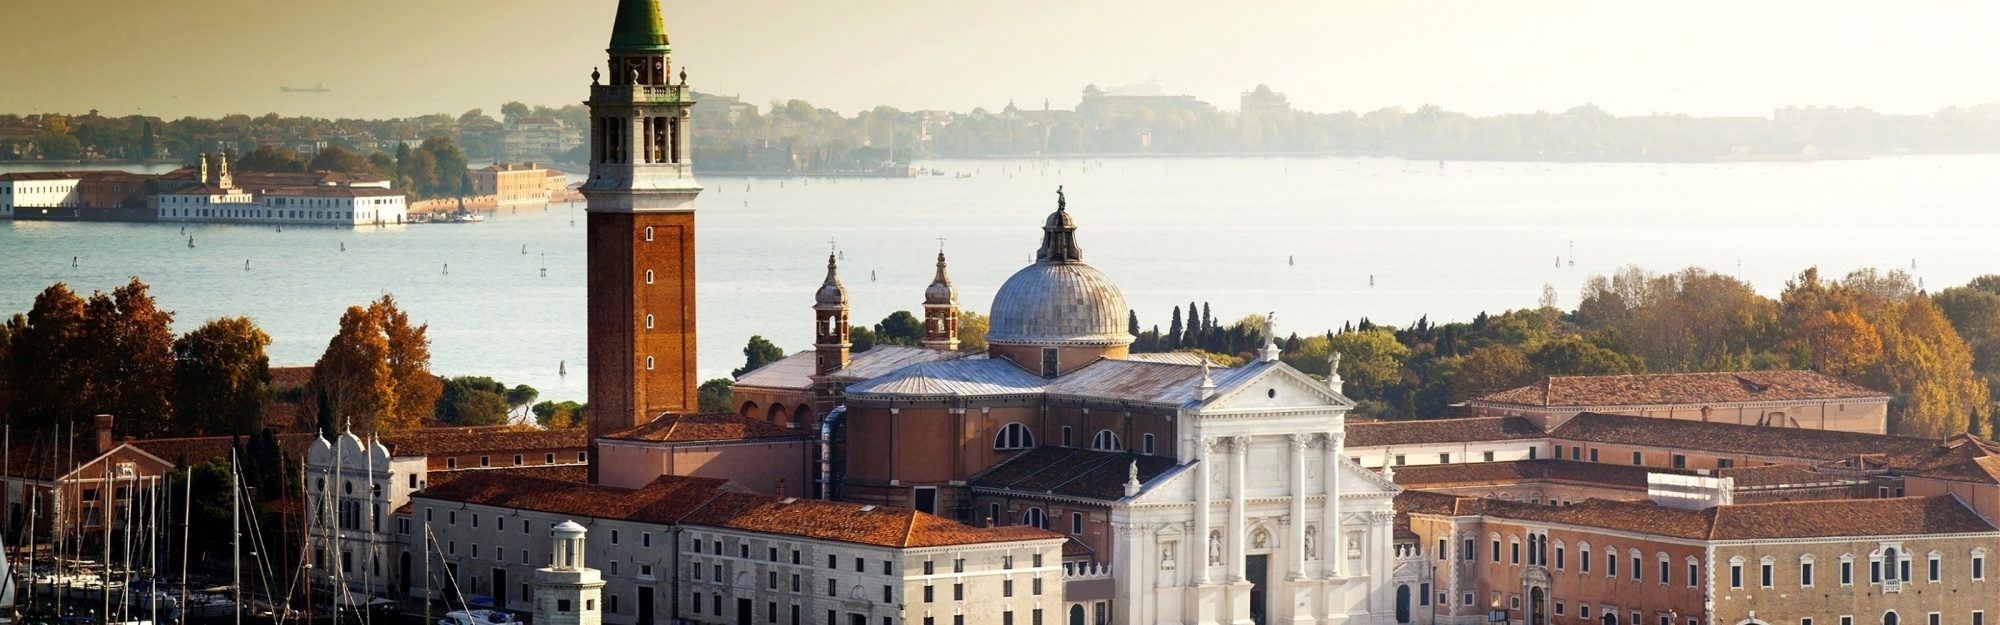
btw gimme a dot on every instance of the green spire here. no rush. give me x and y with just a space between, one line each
638 27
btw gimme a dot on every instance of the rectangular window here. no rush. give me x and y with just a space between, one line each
1561 558
832 561
1469 551
1583 560
930 567
1424 594
1593 457
1764 575
1665 573
1936 619
1694 573
1725 463
1611 564
1637 566
1487 456
832 588
1875 572
1847 573
958 565
1638 458
1036 586
929 593
1444 458
795 560
1049 368
1979 567
1514 555
1936 568
1978 617
888 594
1561 608
860 565
1680 461
795 582
958 592
1399 460
1496 550
1576 453
1006 588
1806 574
1735 576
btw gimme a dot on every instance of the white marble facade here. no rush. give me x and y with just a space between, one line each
1250 529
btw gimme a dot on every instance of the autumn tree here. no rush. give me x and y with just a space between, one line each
44 376
222 378
375 373
1974 310
1928 369
1841 343
972 331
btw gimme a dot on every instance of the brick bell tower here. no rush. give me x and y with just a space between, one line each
641 231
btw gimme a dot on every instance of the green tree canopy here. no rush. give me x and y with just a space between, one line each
222 378
757 353
714 395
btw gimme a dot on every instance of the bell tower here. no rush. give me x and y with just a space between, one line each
830 342
640 212
941 310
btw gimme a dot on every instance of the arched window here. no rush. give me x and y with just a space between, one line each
649 237
1014 436
1106 441
649 276
1035 518
1890 618
649 363
649 322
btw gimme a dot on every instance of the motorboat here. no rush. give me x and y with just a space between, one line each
478 617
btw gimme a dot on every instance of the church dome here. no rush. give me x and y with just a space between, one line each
1058 300
1050 303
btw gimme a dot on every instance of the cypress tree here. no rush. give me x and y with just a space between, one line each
1132 322
1173 338
1194 325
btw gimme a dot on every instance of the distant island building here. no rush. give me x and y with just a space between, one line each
1263 100
515 184
213 195
1790 399
1129 99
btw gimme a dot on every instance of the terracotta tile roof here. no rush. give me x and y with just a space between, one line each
664 500
1433 476
1071 472
1903 516
291 376
706 427
332 192
463 440
199 449
573 473
1782 475
1799 443
1907 516
719 503
1680 388
851 523
1433 431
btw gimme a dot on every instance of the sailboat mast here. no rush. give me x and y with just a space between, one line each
187 517
236 534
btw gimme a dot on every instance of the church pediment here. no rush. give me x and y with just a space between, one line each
1272 385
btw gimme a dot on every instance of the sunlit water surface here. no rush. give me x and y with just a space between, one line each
1320 241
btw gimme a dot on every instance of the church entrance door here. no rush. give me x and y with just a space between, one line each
1255 569
1536 613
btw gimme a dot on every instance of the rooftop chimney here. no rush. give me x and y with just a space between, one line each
103 433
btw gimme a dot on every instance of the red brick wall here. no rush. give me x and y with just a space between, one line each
623 392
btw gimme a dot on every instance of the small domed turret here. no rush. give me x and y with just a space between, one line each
940 292
831 293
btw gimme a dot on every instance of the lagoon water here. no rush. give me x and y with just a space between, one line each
1319 241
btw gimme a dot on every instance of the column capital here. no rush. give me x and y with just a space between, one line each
1300 441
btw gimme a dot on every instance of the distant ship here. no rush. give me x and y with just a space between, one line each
316 88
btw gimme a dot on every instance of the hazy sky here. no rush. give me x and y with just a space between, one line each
404 57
